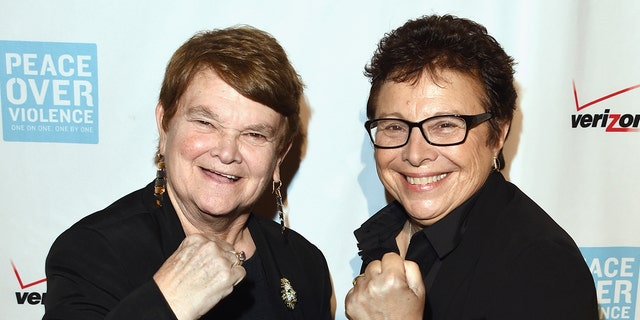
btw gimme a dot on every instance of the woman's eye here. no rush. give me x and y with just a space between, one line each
447 125
395 127
207 125
256 136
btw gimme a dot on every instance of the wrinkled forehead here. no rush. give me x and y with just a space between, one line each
445 87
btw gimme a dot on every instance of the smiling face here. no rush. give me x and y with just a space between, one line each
220 150
431 181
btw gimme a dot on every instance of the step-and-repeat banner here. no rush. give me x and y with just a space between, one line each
79 81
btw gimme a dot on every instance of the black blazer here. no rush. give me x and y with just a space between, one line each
102 267
512 263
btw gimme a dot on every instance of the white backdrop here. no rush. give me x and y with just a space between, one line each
585 176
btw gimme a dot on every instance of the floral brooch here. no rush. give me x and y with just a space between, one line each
288 294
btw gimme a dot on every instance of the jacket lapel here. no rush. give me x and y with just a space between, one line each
276 256
457 269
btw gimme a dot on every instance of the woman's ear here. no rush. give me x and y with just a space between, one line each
504 132
161 131
281 156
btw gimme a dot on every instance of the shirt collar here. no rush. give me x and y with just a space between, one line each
445 235
377 235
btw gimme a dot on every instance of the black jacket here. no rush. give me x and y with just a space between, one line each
102 267
512 262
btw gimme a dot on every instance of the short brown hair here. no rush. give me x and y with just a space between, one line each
248 59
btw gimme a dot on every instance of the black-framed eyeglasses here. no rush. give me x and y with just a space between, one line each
442 130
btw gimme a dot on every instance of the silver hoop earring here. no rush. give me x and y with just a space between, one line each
496 164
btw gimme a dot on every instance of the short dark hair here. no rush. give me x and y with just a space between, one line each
434 43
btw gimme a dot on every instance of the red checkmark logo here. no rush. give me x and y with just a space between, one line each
22 284
611 95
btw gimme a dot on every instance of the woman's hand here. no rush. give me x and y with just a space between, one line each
390 288
199 274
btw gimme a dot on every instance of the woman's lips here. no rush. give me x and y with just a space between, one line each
425 180
228 176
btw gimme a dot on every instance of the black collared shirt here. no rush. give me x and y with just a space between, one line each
377 235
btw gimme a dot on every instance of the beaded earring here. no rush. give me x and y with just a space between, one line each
161 180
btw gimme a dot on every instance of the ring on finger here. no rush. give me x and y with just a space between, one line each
355 280
240 257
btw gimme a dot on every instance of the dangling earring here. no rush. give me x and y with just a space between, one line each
496 164
276 190
161 180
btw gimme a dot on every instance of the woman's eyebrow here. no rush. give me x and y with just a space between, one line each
199 110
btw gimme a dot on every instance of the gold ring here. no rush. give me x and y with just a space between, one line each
355 280
240 257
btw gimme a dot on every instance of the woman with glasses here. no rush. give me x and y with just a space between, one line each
459 241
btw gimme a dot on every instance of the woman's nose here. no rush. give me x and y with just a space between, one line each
227 148
418 150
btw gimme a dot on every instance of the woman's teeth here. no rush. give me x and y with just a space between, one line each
230 177
426 180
